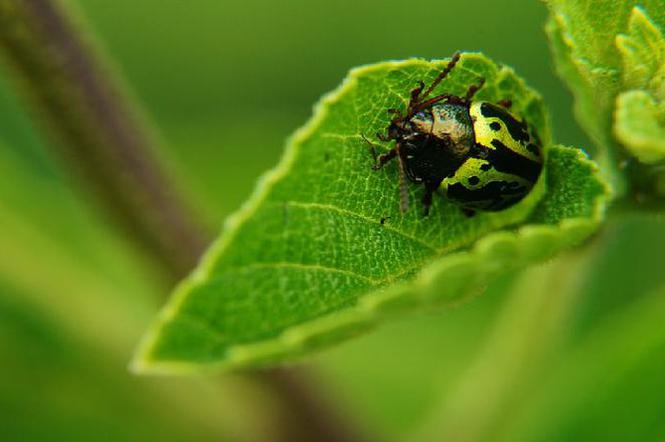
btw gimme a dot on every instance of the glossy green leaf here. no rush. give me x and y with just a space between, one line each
321 251
612 55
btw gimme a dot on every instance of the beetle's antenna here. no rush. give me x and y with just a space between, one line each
474 89
403 190
449 67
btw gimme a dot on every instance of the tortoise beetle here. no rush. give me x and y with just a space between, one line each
477 153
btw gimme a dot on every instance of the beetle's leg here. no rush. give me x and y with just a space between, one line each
430 188
506 104
381 137
403 190
379 160
415 98
372 147
444 73
473 89
427 200
382 159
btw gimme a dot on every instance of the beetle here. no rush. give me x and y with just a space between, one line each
480 155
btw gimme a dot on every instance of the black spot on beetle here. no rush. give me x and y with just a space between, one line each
517 129
495 126
474 180
485 167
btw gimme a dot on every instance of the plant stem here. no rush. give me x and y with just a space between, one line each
99 135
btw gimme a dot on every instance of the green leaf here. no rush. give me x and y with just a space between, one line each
308 262
640 112
638 126
642 51
612 55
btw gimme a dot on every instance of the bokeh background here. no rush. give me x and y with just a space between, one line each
225 83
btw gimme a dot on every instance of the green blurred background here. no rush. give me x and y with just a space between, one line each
225 83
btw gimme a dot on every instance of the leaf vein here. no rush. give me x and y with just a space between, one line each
303 266
364 218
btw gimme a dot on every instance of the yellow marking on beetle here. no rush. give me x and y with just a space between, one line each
485 134
472 167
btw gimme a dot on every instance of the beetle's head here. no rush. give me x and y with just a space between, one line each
397 128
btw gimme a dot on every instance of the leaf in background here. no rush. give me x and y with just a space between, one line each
638 126
307 262
640 112
607 50
642 50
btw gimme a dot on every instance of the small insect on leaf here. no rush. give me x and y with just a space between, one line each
477 153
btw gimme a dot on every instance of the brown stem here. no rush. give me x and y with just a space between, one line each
311 419
99 135
96 131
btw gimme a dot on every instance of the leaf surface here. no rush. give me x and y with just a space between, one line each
321 251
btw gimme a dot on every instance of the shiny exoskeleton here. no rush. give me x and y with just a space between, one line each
479 154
